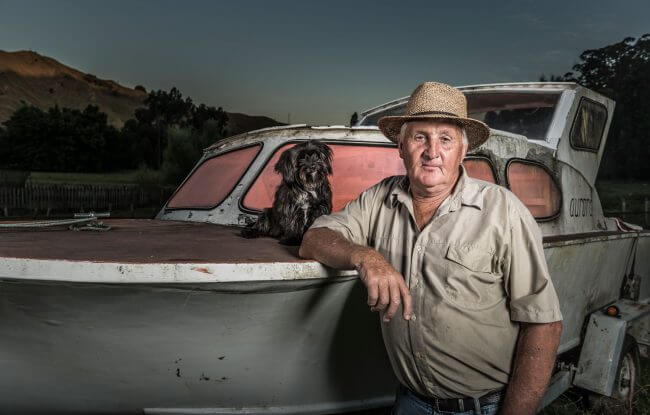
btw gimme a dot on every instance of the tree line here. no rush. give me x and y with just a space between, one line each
620 71
167 134
170 131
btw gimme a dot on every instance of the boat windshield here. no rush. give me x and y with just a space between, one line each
526 113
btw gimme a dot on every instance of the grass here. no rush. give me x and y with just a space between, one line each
573 402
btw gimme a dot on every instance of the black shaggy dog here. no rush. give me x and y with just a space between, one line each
303 195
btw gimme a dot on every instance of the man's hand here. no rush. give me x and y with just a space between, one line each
386 286
533 365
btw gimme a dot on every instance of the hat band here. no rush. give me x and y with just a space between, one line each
434 113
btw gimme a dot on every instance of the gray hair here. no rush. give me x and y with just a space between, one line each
463 133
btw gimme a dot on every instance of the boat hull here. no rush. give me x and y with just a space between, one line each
285 346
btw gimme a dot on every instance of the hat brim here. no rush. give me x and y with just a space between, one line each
477 131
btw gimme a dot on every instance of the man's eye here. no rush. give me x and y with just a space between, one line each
445 139
418 137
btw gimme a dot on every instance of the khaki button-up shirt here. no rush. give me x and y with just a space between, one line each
474 271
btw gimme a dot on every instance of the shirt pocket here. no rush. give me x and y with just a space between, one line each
471 258
471 277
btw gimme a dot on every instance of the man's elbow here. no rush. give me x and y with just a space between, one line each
305 247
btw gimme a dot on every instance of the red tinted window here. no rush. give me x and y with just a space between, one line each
535 187
479 169
214 179
355 168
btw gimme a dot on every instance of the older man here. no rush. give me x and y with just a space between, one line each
464 260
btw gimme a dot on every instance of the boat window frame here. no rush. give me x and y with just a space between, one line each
549 172
551 129
245 209
259 144
574 122
489 162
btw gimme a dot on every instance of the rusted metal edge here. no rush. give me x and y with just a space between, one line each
588 237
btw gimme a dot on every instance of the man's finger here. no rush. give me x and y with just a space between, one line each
407 309
384 295
373 293
394 302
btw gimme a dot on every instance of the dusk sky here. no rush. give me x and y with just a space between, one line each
317 61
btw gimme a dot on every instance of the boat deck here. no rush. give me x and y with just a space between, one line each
145 241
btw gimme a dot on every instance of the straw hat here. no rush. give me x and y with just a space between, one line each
433 100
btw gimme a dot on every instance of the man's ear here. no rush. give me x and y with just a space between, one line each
400 143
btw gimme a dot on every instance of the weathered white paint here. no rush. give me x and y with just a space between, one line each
71 347
156 273
85 335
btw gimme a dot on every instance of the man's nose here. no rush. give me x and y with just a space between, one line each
432 149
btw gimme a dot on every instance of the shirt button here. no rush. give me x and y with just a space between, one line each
419 248
413 318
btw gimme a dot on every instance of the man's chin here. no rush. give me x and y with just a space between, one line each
428 182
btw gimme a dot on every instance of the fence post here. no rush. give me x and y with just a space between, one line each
622 205
647 208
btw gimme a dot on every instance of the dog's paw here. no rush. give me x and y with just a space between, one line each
291 241
249 233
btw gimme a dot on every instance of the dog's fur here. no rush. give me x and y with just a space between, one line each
303 195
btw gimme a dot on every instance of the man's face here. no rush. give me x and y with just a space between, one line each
432 152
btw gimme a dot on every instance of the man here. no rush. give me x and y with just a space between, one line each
464 260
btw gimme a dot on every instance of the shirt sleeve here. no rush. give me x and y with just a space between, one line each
354 220
532 296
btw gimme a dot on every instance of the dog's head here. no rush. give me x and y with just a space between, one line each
307 164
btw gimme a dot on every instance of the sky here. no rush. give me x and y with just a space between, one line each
315 62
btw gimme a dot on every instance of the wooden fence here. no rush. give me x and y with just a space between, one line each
46 198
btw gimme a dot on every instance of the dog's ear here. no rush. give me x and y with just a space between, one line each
325 153
286 165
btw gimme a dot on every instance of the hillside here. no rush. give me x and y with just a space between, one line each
240 123
44 82
29 78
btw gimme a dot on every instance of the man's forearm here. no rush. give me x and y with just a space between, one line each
386 287
533 364
333 249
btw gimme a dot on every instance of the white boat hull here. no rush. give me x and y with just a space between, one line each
285 346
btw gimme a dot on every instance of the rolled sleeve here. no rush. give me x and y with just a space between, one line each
354 220
532 296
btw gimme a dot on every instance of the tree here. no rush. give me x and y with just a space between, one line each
621 71
203 113
165 111
60 139
22 135
185 147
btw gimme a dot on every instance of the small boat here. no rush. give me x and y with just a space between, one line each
181 315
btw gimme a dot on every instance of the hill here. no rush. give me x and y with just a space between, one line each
240 123
29 78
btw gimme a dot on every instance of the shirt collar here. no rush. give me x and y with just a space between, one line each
466 192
